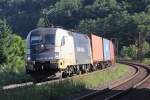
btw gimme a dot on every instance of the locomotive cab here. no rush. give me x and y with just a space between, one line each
41 51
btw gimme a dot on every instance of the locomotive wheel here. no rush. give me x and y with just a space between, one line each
94 68
86 69
79 70
70 71
64 74
103 66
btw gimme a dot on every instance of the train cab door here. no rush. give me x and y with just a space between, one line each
67 53
62 51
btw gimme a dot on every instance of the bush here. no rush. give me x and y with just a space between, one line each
132 50
147 55
146 61
7 76
12 55
146 50
129 52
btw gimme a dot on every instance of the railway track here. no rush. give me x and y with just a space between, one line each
51 80
138 91
122 89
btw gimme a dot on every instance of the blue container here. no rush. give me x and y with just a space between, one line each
82 49
106 50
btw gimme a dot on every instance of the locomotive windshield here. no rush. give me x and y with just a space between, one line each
36 39
50 39
43 36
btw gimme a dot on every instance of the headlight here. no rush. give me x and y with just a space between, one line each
28 58
42 45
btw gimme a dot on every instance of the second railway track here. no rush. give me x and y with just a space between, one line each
118 90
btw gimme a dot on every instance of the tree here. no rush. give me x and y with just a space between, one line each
16 53
103 8
129 52
65 13
12 49
4 41
88 26
41 22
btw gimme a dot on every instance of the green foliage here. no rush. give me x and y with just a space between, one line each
12 56
17 54
132 50
129 52
41 22
142 20
4 41
105 6
12 50
68 5
146 47
87 26
147 55
146 61
123 19
23 15
146 50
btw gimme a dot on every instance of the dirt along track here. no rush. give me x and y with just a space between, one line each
123 89
49 81
17 85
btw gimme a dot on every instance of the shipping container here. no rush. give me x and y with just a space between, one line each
106 49
82 49
97 48
112 54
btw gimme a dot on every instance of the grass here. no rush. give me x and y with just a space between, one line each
64 88
146 61
11 78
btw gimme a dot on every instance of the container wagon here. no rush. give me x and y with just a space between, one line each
112 53
106 52
97 51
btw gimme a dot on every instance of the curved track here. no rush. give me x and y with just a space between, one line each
121 89
137 91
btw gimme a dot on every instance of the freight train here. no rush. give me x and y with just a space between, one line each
52 50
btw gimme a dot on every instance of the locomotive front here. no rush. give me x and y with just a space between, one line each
42 55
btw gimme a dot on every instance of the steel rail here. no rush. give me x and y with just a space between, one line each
110 88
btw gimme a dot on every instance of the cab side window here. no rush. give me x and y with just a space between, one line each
63 41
